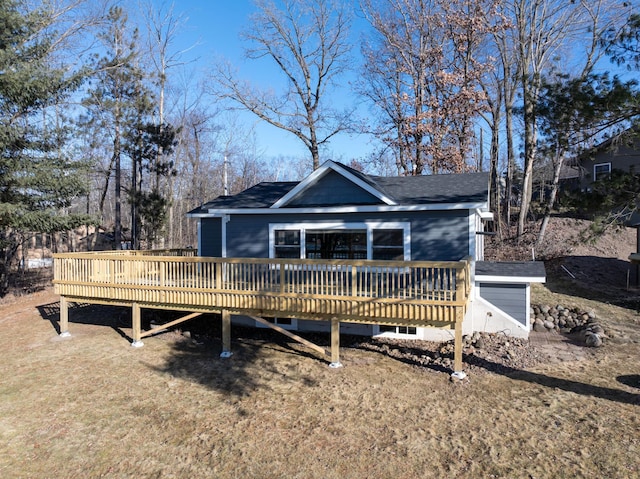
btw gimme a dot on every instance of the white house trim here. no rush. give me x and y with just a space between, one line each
595 167
485 215
472 228
510 279
319 173
223 231
215 212
199 229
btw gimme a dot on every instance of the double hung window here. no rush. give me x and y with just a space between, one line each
287 244
601 171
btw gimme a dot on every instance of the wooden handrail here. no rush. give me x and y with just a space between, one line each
406 279
362 289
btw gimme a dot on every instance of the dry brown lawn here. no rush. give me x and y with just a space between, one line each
92 406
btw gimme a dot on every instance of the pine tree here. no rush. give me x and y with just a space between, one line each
38 178
120 103
115 101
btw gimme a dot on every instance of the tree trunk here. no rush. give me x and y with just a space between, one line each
494 156
117 229
530 139
315 154
551 200
510 163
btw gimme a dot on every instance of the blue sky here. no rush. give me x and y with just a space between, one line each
215 25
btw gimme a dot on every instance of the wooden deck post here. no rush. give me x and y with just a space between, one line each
458 373
226 334
136 325
64 317
335 344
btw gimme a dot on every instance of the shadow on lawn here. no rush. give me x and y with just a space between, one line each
196 348
576 387
249 369
197 357
430 360
116 317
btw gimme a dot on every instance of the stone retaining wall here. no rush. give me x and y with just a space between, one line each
545 318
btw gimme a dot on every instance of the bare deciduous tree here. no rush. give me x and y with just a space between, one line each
308 42
423 72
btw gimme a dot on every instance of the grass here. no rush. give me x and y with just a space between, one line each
92 406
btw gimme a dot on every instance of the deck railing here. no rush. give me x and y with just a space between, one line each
385 292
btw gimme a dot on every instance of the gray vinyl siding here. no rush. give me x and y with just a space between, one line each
248 236
435 235
510 298
334 189
439 235
211 237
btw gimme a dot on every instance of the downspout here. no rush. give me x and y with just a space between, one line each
199 226
224 219
638 250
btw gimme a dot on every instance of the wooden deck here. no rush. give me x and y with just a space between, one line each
403 293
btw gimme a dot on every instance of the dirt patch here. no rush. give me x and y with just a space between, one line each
564 237
596 268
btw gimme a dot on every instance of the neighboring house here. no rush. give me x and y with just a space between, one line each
340 213
37 249
621 152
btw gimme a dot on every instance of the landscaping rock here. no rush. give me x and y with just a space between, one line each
596 329
593 340
539 327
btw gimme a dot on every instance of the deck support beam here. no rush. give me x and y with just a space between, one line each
136 325
163 327
335 344
289 334
226 334
64 317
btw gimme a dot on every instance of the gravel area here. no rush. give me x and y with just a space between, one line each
482 353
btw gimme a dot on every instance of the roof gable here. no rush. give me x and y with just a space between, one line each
333 189
325 171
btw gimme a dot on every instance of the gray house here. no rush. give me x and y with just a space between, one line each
621 152
340 213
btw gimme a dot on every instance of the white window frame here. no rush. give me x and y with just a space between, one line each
396 335
369 226
595 176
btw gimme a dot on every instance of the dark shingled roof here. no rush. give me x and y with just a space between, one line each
448 188
512 269
460 188
262 195
403 190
